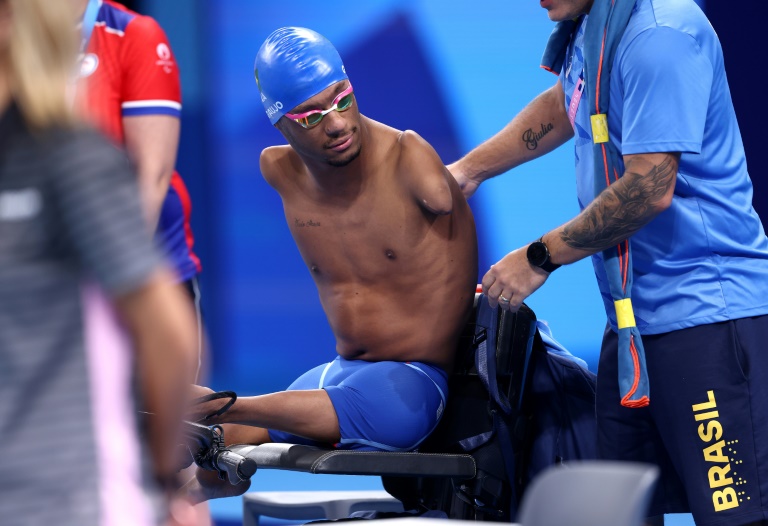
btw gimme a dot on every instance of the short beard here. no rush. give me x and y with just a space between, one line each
344 162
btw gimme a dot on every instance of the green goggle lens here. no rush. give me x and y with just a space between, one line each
345 103
314 119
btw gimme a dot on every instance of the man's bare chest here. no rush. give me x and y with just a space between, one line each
367 237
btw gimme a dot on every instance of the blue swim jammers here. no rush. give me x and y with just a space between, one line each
381 406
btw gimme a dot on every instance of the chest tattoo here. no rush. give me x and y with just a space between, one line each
300 223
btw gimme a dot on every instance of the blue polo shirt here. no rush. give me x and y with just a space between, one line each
705 259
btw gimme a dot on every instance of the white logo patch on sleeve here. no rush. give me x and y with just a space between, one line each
165 59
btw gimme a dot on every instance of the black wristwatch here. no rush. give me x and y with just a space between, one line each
538 256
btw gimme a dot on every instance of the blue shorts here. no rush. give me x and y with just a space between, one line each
381 406
707 424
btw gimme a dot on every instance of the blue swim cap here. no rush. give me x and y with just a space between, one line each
293 65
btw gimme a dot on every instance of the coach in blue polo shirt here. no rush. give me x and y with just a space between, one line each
680 255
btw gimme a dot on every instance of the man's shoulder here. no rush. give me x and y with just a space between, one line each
422 170
384 135
415 153
653 19
408 139
276 154
275 162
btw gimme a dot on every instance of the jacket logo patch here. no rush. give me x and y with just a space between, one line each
165 58
88 65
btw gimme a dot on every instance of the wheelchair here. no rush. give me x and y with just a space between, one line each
478 461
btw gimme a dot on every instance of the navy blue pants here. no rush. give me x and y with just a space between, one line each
707 423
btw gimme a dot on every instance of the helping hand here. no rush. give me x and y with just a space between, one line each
468 186
513 278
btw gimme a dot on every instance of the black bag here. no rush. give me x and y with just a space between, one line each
515 407
483 411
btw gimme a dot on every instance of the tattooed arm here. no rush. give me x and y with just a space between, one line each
622 209
538 129
619 211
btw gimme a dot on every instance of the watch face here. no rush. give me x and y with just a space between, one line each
537 253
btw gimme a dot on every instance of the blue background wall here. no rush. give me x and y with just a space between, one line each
452 70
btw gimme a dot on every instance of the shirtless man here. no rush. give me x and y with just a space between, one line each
390 242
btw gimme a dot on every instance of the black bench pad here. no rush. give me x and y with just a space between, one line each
310 459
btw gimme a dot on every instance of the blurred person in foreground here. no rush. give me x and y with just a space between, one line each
90 323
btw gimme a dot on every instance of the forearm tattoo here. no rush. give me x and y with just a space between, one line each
531 138
621 209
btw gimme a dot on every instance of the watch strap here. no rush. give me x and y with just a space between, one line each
547 265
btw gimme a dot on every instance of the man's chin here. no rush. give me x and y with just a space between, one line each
344 161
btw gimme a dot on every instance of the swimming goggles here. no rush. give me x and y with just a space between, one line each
312 118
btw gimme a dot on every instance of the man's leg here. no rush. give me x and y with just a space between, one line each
707 387
630 434
237 434
366 397
306 413
361 399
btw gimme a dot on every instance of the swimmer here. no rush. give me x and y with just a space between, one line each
390 241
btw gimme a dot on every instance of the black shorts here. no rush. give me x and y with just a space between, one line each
707 424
